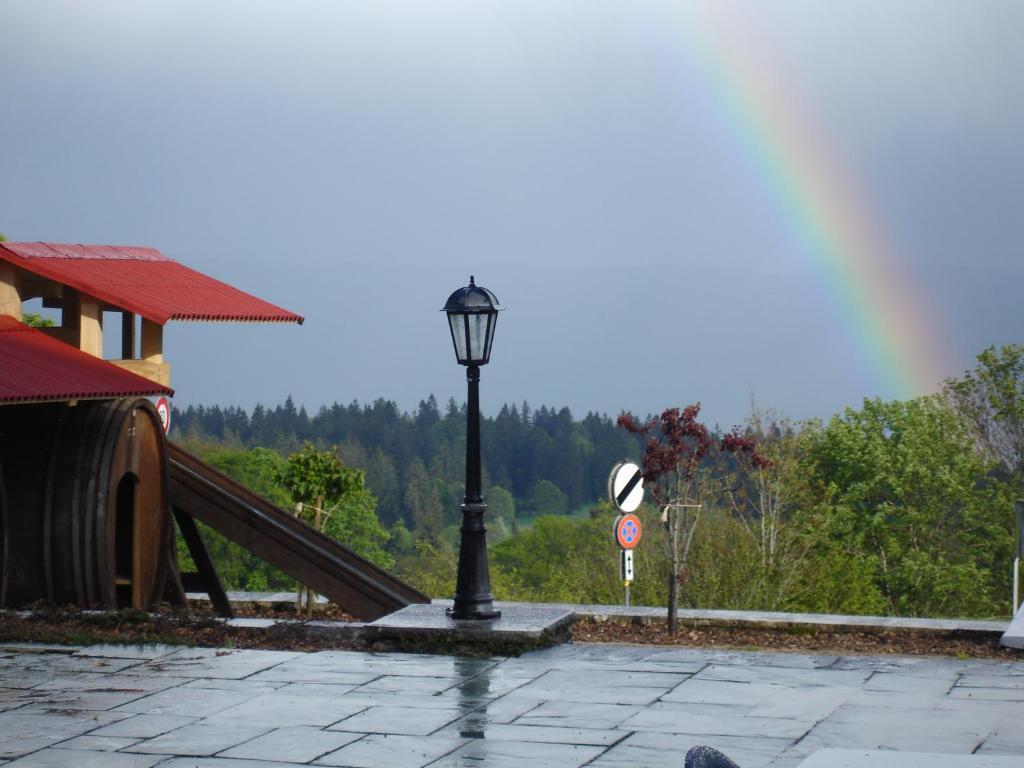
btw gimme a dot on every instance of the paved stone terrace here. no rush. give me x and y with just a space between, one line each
573 705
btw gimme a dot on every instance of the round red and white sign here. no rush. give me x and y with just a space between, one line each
627 531
163 408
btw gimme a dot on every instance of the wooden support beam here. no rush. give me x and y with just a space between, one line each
67 335
35 287
70 308
207 571
90 318
10 296
127 335
158 372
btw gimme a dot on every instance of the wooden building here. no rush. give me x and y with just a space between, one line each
84 475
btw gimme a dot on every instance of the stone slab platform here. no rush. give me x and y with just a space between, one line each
521 626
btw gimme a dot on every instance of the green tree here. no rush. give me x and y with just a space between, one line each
334 499
237 567
36 321
561 559
909 513
991 399
258 469
754 533
501 514
547 499
500 503
352 520
423 501
400 541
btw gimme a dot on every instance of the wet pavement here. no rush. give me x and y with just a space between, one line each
572 705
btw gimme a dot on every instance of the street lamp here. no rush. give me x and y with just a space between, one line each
472 315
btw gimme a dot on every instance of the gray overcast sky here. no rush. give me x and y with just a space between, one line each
355 162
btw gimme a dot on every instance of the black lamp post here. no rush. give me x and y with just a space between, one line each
472 315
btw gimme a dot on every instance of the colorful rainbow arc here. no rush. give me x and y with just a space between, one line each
884 316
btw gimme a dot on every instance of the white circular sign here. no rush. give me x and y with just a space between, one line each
163 408
626 486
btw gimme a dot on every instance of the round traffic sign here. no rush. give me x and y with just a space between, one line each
163 409
626 486
627 531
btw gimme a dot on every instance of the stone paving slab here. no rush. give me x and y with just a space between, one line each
571 705
79 758
394 751
200 740
849 758
301 744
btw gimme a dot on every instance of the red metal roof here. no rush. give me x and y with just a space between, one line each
143 281
37 368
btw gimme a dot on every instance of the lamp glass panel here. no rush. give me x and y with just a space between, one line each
458 325
492 320
478 337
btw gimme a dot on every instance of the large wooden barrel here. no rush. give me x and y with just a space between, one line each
86 518
3 527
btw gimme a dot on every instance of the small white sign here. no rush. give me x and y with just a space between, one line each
626 565
626 486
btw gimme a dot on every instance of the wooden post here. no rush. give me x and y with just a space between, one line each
91 327
152 342
10 297
127 335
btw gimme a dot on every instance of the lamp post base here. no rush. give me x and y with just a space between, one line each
473 583
471 615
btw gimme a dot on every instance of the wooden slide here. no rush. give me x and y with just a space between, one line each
365 590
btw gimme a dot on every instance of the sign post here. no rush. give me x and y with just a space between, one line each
1018 554
626 570
626 491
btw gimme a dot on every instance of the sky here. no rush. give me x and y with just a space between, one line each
796 204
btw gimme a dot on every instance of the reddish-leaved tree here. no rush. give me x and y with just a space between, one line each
676 445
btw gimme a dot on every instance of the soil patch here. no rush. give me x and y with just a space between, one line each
172 627
802 639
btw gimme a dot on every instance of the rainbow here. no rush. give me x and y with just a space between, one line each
885 317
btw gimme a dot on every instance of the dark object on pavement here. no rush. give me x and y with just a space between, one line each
707 757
